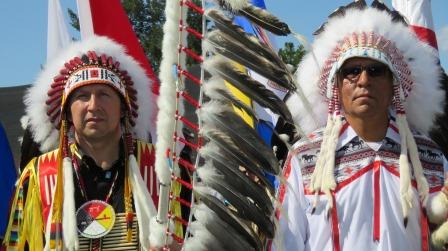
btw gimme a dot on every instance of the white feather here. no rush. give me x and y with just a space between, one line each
69 224
439 237
438 208
200 239
166 102
158 233
144 205
236 4
208 172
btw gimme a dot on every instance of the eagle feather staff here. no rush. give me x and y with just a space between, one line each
221 118
221 43
236 32
244 229
219 141
265 20
218 65
245 208
240 181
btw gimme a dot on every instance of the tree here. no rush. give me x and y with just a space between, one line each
292 55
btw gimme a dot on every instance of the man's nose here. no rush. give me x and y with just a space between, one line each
363 79
93 102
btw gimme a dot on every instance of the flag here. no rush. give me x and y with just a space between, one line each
8 176
418 13
268 119
57 33
108 18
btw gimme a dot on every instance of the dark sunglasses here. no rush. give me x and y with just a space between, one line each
352 73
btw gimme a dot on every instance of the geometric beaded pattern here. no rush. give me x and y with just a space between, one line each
356 155
368 40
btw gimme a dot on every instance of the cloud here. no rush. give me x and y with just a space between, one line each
442 38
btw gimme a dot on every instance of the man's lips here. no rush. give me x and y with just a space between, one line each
94 120
362 96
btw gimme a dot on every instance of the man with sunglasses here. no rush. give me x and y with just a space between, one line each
366 177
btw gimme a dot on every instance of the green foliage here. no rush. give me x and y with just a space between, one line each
74 21
147 19
292 55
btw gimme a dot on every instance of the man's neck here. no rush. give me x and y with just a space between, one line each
372 129
105 152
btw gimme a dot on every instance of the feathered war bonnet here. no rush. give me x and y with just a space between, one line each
96 60
376 33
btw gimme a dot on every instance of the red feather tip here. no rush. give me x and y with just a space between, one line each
59 78
92 56
78 61
57 83
53 99
53 91
124 74
52 109
131 90
69 66
117 65
64 71
103 59
110 61
134 105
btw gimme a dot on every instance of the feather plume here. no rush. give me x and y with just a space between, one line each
215 115
202 239
439 132
214 89
218 65
232 5
245 208
379 5
227 215
340 11
241 182
236 32
230 156
70 236
265 19
144 206
219 42
209 220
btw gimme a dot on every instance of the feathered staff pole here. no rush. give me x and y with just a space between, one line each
172 74
165 128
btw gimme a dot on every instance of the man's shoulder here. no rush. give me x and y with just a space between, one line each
48 160
422 139
311 142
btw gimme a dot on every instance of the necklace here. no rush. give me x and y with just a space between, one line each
95 218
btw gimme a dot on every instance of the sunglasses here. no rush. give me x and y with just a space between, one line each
352 73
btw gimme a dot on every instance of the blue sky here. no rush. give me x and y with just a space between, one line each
23 27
